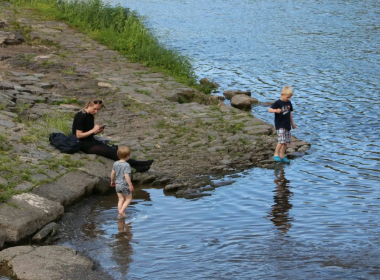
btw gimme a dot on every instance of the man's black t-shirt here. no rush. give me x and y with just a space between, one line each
84 122
282 120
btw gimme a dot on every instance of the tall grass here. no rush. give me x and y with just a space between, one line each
118 28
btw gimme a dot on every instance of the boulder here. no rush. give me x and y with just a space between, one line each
49 262
231 93
242 101
69 188
26 213
46 231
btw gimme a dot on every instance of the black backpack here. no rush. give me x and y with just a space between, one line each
66 144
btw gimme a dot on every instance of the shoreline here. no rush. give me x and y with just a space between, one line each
56 71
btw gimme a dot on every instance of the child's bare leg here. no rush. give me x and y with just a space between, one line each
282 150
277 151
120 203
127 201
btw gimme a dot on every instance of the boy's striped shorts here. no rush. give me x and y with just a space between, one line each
283 136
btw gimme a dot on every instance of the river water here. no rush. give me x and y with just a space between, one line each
316 218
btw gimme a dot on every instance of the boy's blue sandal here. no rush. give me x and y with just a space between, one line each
277 159
285 160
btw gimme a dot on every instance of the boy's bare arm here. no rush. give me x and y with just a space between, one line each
271 110
128 179
292 122
113 178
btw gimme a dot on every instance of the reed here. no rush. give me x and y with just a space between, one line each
120 29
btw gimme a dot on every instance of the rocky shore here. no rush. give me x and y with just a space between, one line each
48 71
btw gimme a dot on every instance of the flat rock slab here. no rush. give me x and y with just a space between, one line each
68 188
48 263
26 213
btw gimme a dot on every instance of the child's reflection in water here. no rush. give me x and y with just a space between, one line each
122 249
281 207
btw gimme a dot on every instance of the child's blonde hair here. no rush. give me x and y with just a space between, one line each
287 90
123 152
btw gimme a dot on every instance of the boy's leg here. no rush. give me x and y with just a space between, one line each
282 150
277 151
120 196
127 201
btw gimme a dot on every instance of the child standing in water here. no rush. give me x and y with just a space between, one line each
121 178
283 121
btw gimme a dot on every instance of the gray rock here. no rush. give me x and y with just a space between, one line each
173 187
48 230
49 262
3 181
144 178
68 188
225 161
304 148
101 172
242 101
217 148
6 85
39 177
23 186
51 173
2 239
28 213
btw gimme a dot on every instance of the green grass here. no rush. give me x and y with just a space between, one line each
120 29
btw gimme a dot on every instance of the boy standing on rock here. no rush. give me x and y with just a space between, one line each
283 121
121 178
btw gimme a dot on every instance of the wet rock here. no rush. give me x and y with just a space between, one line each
231 93
206 82
174 187
242 101
49 262
222 183
48 230
161 182
303 148
143 178
25 213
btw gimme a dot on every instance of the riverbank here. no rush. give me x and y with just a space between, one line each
48 71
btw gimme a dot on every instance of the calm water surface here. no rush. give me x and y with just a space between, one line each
315 218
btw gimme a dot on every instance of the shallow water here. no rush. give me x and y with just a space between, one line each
317 217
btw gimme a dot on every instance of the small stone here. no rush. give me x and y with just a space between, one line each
49 229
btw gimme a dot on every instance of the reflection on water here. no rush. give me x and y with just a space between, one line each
281 206
122 249
317 217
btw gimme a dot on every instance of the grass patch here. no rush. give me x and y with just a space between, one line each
143 91
67 101
120 29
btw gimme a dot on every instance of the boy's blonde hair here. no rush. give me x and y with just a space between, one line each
123 152
287 90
